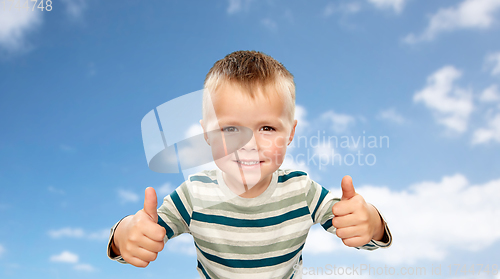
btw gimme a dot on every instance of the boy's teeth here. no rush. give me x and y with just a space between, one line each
248 163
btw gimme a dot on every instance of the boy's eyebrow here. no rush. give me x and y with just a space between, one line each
228 121
278 123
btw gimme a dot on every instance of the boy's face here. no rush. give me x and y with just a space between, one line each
254 163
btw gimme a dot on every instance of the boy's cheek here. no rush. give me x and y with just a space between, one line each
273 142
225 164
275 155
218 148
282 143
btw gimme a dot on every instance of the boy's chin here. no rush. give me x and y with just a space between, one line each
249 179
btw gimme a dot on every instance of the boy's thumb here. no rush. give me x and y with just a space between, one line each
150 203
347 188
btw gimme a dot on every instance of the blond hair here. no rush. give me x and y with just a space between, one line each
251 69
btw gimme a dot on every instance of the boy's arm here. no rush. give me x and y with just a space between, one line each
383 240
371 233
358 223
113 251
137 239
149 230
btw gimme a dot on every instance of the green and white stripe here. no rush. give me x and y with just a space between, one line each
236 237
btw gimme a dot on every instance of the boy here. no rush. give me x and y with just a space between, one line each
248 218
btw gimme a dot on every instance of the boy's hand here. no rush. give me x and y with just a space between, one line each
357 222
139 238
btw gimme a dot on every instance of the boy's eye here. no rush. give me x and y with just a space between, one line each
267 129
230 129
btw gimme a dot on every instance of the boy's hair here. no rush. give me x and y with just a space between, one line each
250 70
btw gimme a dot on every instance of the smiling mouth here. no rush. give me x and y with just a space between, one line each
248 163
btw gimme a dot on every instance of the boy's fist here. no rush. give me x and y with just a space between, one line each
356 221
139 238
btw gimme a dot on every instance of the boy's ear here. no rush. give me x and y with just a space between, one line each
292 133
205 135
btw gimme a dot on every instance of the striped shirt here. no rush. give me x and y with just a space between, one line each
259 237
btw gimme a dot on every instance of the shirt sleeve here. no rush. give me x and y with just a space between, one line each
112 255
175 212
174 215
321 201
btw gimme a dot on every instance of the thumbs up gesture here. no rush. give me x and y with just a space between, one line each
356 221
139 238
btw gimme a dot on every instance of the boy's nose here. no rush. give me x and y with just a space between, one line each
250 145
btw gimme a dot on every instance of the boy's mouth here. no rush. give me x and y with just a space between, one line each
248 163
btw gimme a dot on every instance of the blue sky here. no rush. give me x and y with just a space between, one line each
75 83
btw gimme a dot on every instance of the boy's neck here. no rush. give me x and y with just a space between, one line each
252 192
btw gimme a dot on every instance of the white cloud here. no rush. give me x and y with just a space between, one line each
344 8
296 163
391 115
340 122
320 242
292 161
84 267
450 104
2 250
99 235
430 220
396 5
490 94
442 214
55 190
127 196
79 233
65 257
288 15
329 9
164 189
324 147
91 69
300 116
67 148
351 8
493 61
67 232
236 6
269 24
75 8
490 133
182 244
327 155
192 155
15 25
68 257
469 14
194 130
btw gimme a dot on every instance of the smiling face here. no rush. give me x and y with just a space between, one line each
265 119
